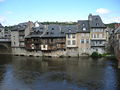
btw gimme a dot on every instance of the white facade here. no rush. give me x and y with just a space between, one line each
71 40
98 40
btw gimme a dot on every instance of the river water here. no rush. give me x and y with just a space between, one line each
36 73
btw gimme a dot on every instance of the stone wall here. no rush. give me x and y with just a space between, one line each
72 52
23 52
58 53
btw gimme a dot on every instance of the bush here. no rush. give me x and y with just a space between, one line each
96 55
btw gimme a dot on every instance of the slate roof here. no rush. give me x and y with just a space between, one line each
19 27
96 22
53 31
48 31
83 26
70 29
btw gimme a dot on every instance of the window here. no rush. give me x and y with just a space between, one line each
68 35
82 40
47 33
62 32
102 30
119 36
84 29
87 35
73 42
73 35
41 27
51 40
87 40
97 24
82 34
100 35
52 28
51 32
96 19
94 35
69 29
69 42
43 46
83 24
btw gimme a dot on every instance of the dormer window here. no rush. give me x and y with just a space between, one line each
97 24
41 28
47 33
96 19
83 24
62 32
51 32
52 28
84 29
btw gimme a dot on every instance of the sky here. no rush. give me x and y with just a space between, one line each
13 12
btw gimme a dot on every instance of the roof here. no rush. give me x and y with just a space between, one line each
46 31
19 27
83 26
96 22
70 29
53 31
117 31
1 25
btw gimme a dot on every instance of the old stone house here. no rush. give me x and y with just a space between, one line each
98 34
83 38
18 34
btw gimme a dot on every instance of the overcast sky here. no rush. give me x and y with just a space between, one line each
18 11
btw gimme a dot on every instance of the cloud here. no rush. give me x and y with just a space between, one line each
9 12
111 19
102 11
2 19
116 19
2 0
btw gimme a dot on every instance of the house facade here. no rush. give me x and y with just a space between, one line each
83 38
18 34
98 35
48 39
115 43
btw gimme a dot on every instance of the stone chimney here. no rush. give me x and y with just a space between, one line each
90 17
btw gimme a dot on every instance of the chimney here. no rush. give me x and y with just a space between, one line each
90 17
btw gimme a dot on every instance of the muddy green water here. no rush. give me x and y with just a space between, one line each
36 73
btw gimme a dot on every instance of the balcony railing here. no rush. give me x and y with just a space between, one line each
21 39
98 45
98 38
21 34
22 45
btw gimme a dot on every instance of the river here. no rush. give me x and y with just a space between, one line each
37 73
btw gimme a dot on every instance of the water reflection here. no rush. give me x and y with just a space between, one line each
36 73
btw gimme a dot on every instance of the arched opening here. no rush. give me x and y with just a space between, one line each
4 48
